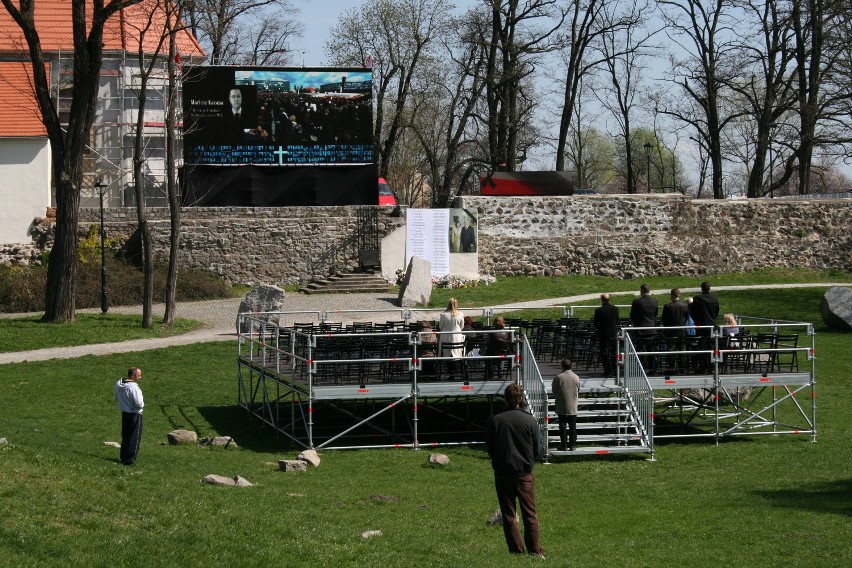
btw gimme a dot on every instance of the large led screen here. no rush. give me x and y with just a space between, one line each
277 116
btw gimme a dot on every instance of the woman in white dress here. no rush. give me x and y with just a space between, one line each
451 321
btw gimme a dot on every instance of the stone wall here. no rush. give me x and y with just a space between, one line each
621 236
634 236
253 245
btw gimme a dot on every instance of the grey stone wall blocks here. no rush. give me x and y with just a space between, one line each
636 236
622 236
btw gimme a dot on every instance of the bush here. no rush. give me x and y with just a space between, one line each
22 288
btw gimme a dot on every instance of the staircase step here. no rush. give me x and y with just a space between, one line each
600 438
347 283
601 450
553 426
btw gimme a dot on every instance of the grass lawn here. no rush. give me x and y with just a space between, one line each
23 334
65 500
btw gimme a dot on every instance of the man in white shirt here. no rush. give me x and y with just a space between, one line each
130 402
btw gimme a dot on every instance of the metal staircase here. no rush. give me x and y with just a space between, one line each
605 425
612 419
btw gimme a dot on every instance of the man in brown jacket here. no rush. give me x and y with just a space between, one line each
566 391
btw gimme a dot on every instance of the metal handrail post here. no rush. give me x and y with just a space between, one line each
311 372
812 357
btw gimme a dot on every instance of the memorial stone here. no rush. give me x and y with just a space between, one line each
416 287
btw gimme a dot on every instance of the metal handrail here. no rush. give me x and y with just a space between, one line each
639 393
535 391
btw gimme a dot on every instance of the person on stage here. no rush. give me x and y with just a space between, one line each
566 392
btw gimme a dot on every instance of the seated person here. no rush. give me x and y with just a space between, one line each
428 345
498 344
730 328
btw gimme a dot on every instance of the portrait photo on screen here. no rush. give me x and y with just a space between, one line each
277 116
462 231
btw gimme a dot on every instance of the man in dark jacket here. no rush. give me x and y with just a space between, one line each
674 315
511 438
704 310
643 313
606 325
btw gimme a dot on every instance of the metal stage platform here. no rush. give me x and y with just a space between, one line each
334 386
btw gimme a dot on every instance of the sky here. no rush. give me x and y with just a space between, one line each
318 17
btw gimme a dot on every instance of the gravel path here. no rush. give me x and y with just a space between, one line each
219 317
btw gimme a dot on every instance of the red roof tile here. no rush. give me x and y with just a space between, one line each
23 118
122 30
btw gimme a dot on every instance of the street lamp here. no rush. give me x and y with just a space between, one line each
101 187
772 127
647 146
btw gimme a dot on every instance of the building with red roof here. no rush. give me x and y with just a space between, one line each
25 161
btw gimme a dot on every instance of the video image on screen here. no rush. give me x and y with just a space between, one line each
277 117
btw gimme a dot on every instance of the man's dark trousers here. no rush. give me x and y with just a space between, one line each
522 488
131 434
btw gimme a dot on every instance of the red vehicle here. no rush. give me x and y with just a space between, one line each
386 194
527 183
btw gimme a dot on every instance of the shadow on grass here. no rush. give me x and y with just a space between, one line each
248 432
833 497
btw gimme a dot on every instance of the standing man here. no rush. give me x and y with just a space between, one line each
468 236
566 392
674 315
511 438
643 313
606 325
704 310
129 397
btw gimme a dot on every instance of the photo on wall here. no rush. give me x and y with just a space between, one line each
462 231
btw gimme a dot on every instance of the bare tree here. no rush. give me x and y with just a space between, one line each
520 31
816 60
623 49
244 31
67 147
173 19
445 116
703 30
766 49
587 21
398 35
153 27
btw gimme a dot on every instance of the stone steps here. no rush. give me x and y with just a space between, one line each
350 283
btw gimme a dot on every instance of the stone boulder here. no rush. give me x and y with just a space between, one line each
293 465
178 437
311 457
416 287
235 481
836 308
439 459
262 298
222 441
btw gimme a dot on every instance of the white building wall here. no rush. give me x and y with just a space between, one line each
24 186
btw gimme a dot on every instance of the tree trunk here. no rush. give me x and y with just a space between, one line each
172 188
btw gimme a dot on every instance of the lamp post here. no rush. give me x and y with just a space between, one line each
647 146
772 126
101 187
